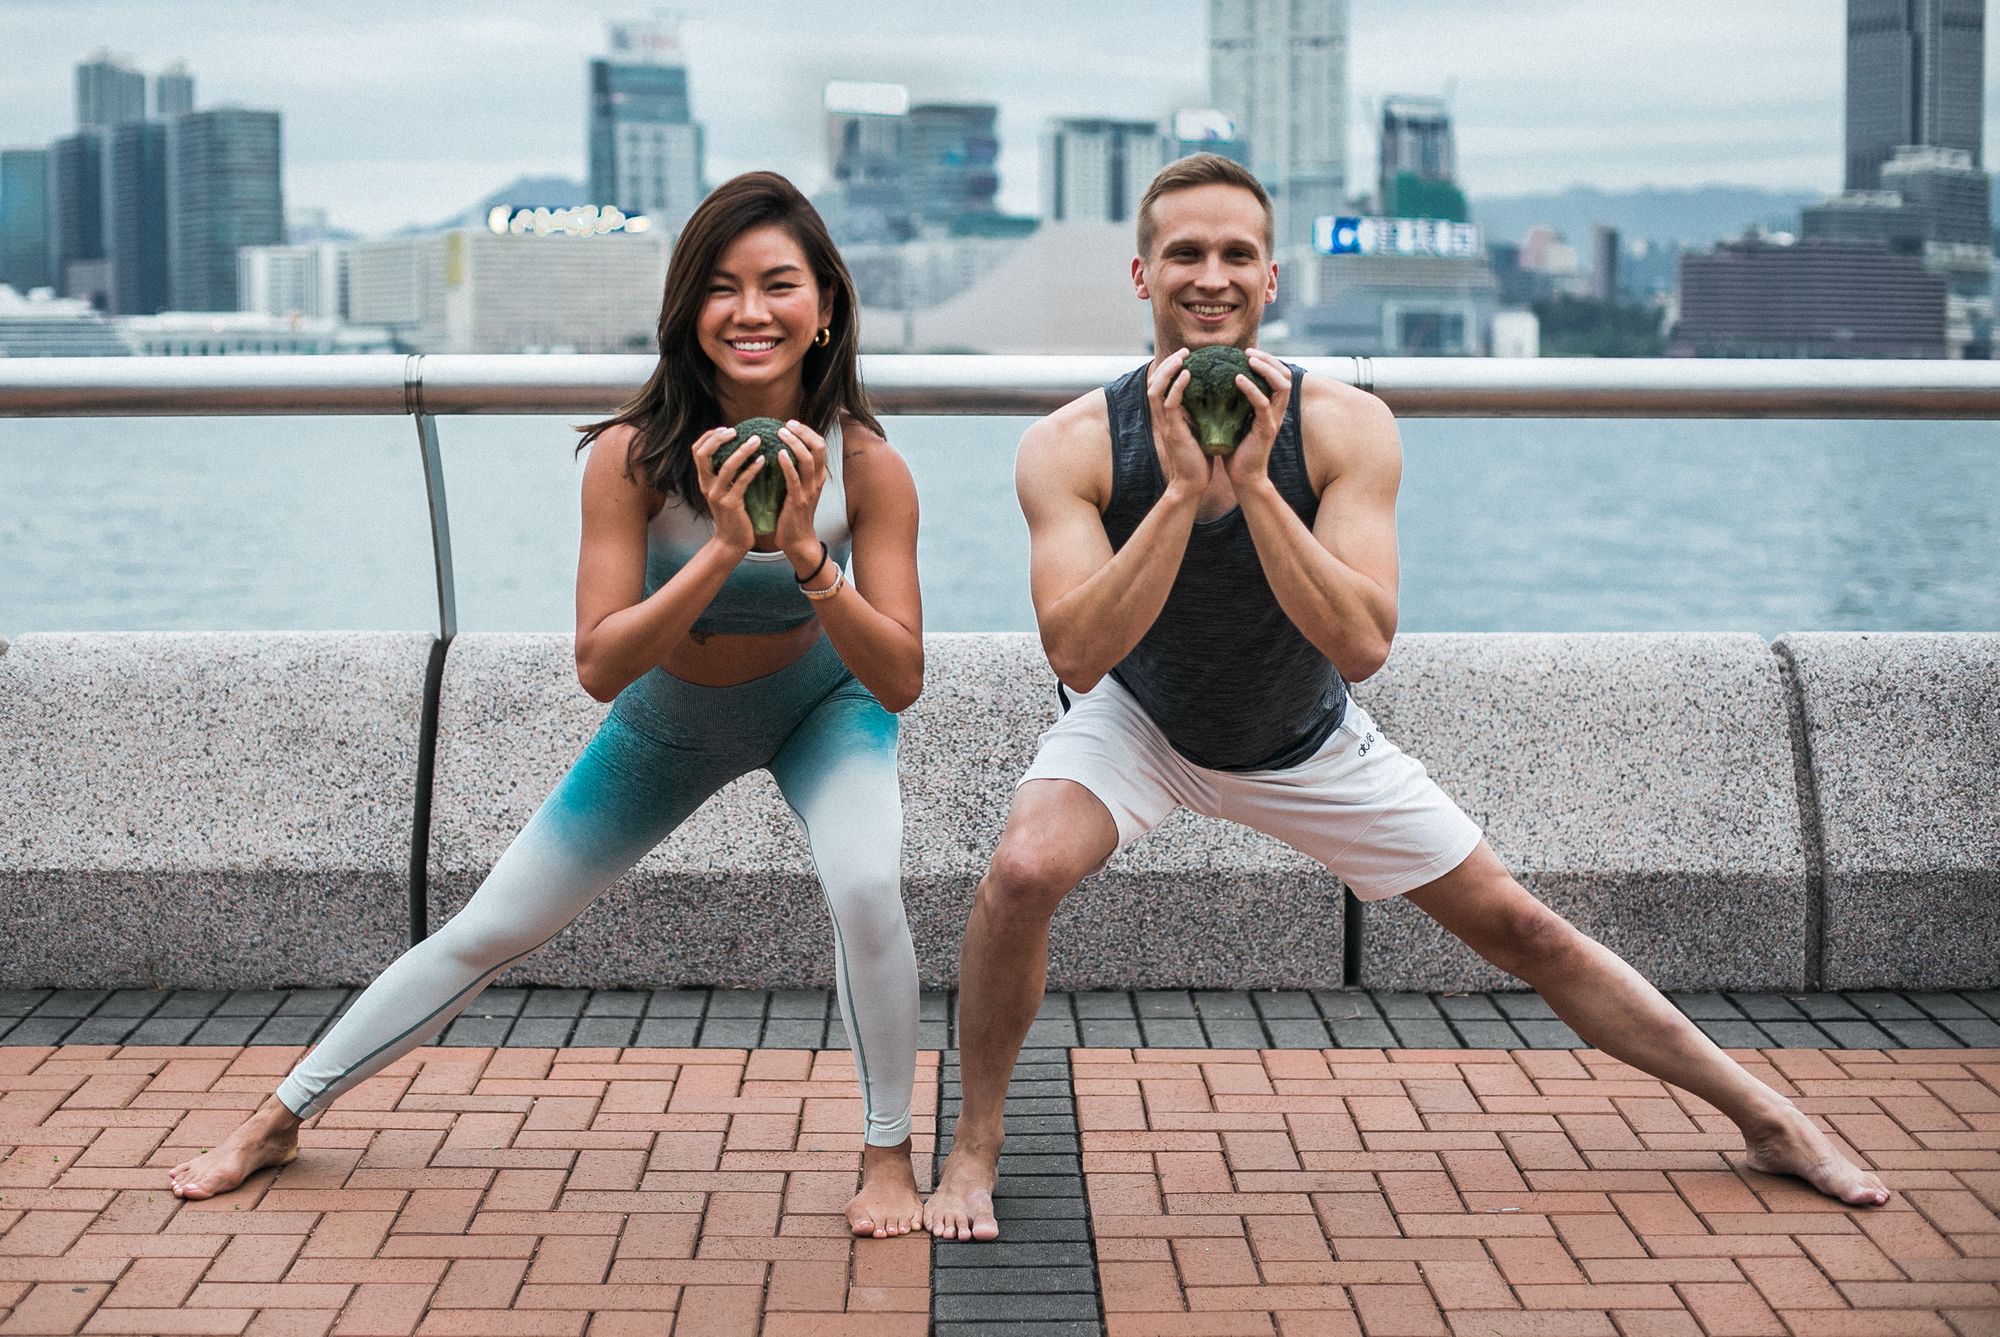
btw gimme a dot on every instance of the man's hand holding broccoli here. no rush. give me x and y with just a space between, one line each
1267 388
1182 460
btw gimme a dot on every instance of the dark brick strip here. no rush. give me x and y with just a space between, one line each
1170 1018
1039 1279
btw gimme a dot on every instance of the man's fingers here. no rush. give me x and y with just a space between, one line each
1176 390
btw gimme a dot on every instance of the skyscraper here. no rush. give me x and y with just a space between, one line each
1279 67
1417 166
173 91
867 159
134 195
76 212
223 192
1915 75
1096 171
954 162
646 151
24 218
108 92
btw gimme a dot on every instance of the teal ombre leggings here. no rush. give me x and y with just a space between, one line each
665 747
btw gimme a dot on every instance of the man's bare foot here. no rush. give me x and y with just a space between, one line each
1793 1146
887 1204
268 1137
961 1207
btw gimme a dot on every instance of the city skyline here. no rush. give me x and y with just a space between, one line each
1658 98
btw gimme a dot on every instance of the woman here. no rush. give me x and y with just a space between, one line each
724 653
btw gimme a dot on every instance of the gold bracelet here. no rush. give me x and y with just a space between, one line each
839 579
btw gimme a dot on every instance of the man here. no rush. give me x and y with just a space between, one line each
1205 616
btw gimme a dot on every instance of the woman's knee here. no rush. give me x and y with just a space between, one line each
867 904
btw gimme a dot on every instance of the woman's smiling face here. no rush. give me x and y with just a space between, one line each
762 309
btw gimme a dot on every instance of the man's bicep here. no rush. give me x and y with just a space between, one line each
1066 540
1357 509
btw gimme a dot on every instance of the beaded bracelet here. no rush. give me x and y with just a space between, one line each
839 579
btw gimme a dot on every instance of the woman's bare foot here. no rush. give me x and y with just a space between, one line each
268 1137
887 1204
1791 1145
961 1207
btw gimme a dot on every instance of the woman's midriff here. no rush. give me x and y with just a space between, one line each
723 659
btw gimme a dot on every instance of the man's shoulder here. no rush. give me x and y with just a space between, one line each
1084 421
1069 450
1335 417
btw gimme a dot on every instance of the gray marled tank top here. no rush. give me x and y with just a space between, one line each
1223 671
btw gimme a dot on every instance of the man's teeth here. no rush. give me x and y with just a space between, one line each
1204 309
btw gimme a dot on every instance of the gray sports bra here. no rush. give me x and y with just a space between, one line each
761 594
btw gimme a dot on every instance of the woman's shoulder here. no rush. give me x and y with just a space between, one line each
857 436
612 468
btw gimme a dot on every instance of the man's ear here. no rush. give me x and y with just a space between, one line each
1139 279
1271 285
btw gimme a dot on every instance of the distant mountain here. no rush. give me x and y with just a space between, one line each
528 192
1695 216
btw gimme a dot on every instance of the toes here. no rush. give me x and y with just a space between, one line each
861 1225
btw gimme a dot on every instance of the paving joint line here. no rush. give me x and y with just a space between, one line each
1151 1018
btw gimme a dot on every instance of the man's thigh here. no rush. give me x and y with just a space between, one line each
1361 806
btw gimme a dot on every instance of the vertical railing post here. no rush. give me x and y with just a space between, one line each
447 603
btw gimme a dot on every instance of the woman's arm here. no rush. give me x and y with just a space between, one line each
621 635
876 621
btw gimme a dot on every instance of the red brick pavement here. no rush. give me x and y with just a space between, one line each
1417 1193
476 1191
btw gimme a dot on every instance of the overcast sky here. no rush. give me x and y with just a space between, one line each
397 112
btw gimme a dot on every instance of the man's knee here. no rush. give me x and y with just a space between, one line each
1529 941
1027 880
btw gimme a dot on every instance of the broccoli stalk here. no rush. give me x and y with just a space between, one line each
765 495
1219 413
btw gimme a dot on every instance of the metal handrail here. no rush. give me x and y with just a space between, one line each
952 384
425 386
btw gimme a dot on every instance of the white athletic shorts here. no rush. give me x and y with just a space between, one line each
1360 804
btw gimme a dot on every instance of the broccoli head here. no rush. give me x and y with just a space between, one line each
765 495
1218 412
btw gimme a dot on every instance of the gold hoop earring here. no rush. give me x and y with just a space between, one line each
823 338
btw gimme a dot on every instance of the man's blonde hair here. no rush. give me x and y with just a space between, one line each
1202 169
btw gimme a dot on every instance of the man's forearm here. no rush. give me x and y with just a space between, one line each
1096 624
1348 617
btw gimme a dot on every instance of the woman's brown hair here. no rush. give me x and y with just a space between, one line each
679 401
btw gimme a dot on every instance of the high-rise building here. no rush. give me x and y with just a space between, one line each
646 151
108 92
954 163
24 219
134 194
1096 171
173 91
308 280
1815 298
1915 75
1279 67
76 213
1417 167
224 192
867 159
1604 263
1206 130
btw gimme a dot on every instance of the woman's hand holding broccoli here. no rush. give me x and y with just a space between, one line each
723 486
804 464
1181 457
1249 462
